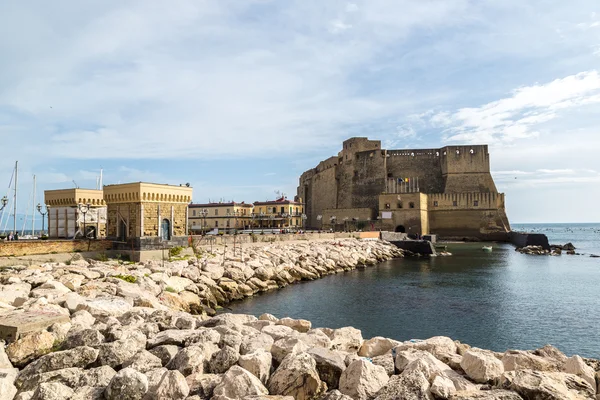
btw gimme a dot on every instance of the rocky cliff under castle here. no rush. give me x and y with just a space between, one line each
447 191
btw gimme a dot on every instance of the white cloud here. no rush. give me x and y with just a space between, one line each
518 116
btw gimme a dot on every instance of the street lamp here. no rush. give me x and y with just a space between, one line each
39 208
304 218
332 220
4 202
84 208
203 214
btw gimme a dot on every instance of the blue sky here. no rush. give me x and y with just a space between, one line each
238 98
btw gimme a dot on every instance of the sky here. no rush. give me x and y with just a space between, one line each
238 98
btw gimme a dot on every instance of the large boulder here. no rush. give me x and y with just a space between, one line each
143 361
261 341
442 387
106 306
203 385
576 366
286 346
120 351
68 376
52 391
297 376
7 382
362 379
514 360
173 385
29 347
223 359
481 366
165 352
300 325
84 337
376 346
238 383
330 365
80 357
346 339
97 377
188 361
258 363
412 385
546 385
128 384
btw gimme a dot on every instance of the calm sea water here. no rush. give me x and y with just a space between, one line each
499 300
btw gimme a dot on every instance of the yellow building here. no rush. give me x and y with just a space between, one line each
75 212
147 215
281 213
224 217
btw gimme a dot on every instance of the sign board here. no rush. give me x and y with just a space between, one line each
386 215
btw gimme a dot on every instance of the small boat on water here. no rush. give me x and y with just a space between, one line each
486 248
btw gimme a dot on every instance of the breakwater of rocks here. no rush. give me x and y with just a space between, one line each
113 330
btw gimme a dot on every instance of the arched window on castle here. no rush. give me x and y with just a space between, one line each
411 205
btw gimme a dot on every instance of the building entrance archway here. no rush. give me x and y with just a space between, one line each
166 229
400 229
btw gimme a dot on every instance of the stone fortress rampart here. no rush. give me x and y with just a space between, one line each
448 191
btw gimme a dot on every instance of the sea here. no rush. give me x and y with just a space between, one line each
496 300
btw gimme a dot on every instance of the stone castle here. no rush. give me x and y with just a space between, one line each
447 191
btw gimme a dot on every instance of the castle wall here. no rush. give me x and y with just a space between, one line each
467 169
423 164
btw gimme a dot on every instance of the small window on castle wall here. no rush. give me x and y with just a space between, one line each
435 203
400 205
476 203
356 174
389 175
387 206
455 203
411 205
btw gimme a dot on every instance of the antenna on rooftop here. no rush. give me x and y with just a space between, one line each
75 183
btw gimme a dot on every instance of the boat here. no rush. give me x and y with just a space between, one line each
486 248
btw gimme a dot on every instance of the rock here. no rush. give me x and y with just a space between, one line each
278 332
362 380
127 384
283 347
297 376
172 386
106 306
143 361
346 339
258 342
335 395
214 271
82 320
4 360
386 361
576 366
52 391
120 351
79 357
238 383
258 363
85 337
8 389
154 377
268 317
97 377
442 387
515 360
481 366
330 366
494 394
29 347
222 360
203 385
300 325
165 352
315 338
546 385
68 376
88 393
189 360
376 346
407 386
60 330
551 353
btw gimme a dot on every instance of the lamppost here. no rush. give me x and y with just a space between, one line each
84 208
39 208
332 220
304 218
285 217
346 223
203 214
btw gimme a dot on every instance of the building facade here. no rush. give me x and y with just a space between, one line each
75 213
147 215
447 191
224 217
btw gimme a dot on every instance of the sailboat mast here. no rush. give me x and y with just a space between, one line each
15 197
33 210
